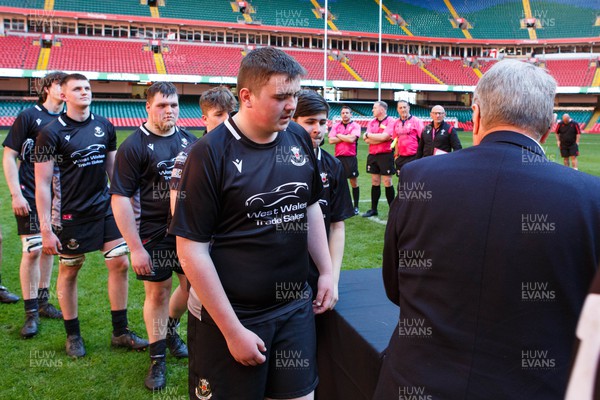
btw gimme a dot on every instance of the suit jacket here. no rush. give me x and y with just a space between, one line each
445 139
489 253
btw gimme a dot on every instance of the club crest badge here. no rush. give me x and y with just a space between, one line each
98 132
297 158
72 244
203 390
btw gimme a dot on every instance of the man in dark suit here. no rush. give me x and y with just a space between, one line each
488 261
438 137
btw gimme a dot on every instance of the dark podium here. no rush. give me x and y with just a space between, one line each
353 336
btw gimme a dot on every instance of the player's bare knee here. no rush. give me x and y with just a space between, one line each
71 263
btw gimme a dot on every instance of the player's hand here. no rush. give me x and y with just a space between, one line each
324 294
20 206
247 348
141 262
50 243
335 297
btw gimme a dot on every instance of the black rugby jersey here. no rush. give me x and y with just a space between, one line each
145 162
79 151
251 201
336 204
21 138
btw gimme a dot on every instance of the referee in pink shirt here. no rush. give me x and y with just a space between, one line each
405 133
380 162
344 135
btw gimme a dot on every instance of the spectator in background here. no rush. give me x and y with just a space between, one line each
567 140
380 162
483 256
36 267
344 135
405 132
439 136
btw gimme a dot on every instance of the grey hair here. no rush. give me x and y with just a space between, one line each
382 104
516 93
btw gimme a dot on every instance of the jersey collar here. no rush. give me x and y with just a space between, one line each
148 133
231 129
65 120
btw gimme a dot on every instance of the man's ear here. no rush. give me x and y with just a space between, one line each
244 96
476 124
545 136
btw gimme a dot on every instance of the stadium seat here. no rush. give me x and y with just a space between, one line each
125 56
23 54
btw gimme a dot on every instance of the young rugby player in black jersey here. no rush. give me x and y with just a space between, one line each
336 205
36 267
241 183
82 145
216 105
143 165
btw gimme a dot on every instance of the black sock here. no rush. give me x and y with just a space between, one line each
158 349
355 195
43 297
31 305
119 322
375 195
172 326
72 327
389 194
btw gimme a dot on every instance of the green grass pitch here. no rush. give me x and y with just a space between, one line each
39 369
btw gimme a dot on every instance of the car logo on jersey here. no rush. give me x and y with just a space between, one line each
298 160
165 166
38 121
98 132
203 390
238 164
88 151
151 146
68 137
72 244
277 195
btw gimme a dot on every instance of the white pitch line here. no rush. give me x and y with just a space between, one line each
377 220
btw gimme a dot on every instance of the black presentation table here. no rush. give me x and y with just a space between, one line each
353 336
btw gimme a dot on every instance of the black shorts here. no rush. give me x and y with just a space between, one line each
290 370
381 164
87 236
400 161
569 151
350 164
29 224
164 259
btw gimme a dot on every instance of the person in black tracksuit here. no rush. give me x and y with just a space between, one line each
438 135
567 139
